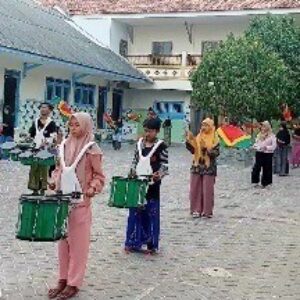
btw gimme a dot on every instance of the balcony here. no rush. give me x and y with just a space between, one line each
166 67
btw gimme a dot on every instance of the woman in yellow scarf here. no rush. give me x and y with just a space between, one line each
205 149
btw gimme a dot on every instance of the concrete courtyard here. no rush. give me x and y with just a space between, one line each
249 250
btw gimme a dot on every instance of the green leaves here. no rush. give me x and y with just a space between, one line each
245 77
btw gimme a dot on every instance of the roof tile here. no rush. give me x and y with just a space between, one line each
88 7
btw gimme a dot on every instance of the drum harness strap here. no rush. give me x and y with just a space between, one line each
39 136
69 179
143 168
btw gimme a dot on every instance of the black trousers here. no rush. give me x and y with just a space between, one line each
263 161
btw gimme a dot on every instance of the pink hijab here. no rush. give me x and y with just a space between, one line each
73 145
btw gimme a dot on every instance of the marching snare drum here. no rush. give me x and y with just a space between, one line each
128 192
26 158
14 154
45 158
42 218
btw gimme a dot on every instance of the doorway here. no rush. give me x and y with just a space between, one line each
117 104
11 96
102 104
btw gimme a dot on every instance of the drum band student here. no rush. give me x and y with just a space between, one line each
42 131
150 160
80 170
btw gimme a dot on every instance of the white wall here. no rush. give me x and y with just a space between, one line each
142 99
216 32
145 35
110 32
118 32
99 28
107 31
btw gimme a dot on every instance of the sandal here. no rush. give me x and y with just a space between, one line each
128 250
53 293
68 292
151 252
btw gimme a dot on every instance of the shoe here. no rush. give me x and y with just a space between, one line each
61 285
207 216
255 185
68 293
195 215
267 187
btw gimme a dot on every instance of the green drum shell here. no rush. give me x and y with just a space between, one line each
14 156
27 161
127 192
42 220
6 152
46 162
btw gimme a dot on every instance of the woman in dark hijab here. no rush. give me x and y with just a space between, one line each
281 159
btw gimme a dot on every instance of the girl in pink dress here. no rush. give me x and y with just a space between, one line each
295 157
80 169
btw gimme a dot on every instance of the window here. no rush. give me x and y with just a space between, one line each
174 110
57 88
207 46
123 48
177 108
84 94
162 48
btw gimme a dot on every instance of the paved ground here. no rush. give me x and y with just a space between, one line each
249 250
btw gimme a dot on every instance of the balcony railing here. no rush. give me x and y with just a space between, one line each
163 67
165 60
156 60
193 60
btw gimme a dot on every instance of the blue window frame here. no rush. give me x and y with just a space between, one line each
84 94
57 88
171 109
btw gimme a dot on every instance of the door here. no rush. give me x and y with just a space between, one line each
123 48
196 119
117 104
11 96
101 107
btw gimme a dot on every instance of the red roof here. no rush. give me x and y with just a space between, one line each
89 7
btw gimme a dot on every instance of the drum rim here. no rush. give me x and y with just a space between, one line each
129 179
43 199
33 239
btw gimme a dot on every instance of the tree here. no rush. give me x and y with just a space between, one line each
242 79
281 35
